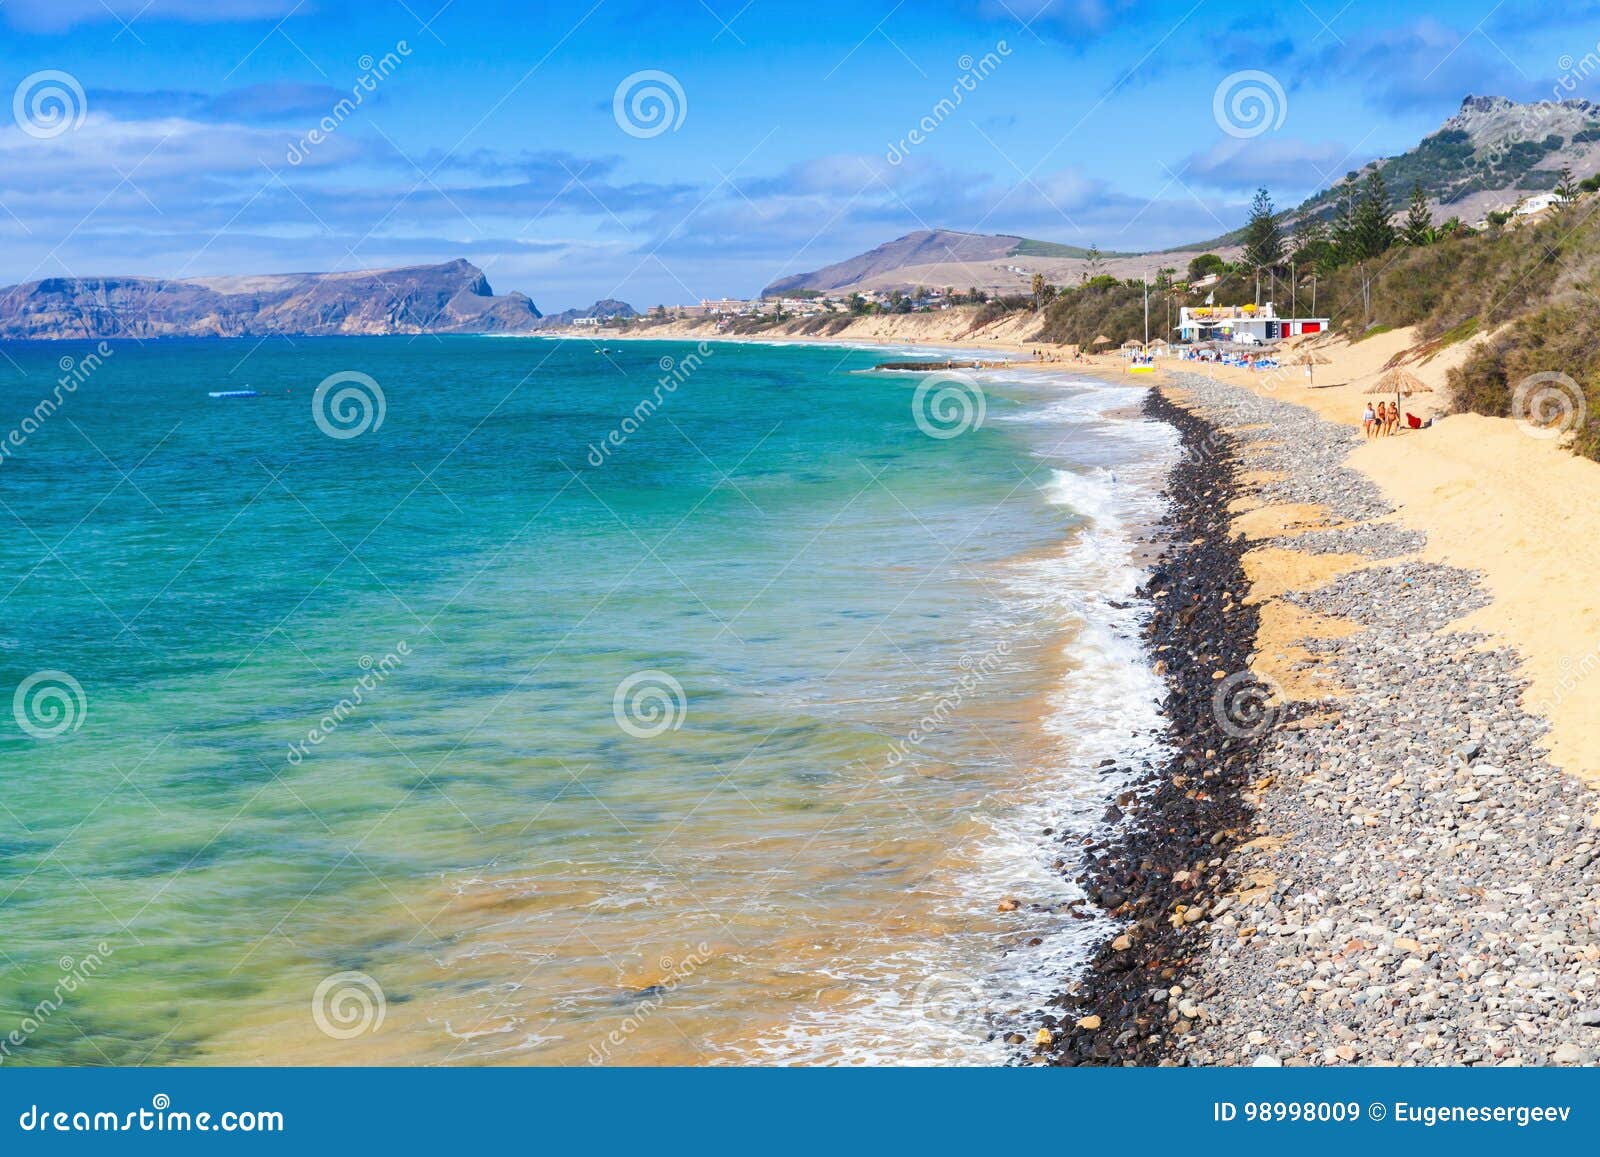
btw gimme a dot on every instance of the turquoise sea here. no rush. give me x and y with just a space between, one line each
473 712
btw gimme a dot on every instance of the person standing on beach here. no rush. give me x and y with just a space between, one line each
1369 420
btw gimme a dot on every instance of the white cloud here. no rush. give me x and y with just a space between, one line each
1295 167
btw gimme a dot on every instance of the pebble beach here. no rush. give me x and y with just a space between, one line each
1359 852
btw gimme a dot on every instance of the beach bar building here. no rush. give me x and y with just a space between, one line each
1250 324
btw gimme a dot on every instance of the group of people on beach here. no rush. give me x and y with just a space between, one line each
1381 421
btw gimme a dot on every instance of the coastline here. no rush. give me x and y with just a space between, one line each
1158 865
932 331
1489 498
1383 867
1414 736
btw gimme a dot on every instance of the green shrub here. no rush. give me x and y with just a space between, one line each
1557 337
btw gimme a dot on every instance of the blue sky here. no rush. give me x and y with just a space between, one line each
182 146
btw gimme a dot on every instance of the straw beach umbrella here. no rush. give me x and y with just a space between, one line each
1401 383
1308 359
1101 340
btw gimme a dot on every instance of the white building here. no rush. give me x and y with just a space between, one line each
1537 204
718 305
1242 323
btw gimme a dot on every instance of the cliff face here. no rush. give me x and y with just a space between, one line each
450 298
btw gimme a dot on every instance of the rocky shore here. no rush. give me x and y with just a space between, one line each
1391 873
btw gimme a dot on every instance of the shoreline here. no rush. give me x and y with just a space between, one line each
1159 865
1385 868
1424 743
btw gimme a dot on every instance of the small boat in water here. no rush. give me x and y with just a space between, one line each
234 394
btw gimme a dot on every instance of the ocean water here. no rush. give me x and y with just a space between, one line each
469 711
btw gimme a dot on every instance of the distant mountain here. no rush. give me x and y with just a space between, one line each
451 298
605 308
924 247
995 262
1491 153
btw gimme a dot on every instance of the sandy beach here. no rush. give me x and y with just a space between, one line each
1491 498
